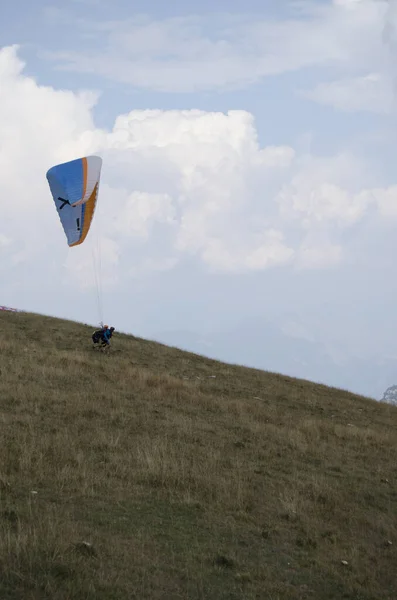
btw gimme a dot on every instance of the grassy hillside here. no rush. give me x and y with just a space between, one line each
156 474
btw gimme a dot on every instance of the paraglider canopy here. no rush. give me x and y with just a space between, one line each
74 187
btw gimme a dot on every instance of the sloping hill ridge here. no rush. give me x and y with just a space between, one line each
152 473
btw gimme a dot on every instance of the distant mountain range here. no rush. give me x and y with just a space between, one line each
265 346
390 395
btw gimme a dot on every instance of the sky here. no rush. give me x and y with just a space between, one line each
248 199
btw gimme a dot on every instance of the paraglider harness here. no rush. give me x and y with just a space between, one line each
102 335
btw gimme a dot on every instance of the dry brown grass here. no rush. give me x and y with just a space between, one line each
248 485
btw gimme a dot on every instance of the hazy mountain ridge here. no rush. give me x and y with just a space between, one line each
390 395
262 345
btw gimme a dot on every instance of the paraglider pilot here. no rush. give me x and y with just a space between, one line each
103 335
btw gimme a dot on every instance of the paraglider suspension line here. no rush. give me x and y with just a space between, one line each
97 267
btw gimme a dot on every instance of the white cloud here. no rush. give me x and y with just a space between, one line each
326 202
175 184
4 241
211 157
152 265
321 253
371 81
385 199
267 250
352 40
327 192
140 210
178 54
372 92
